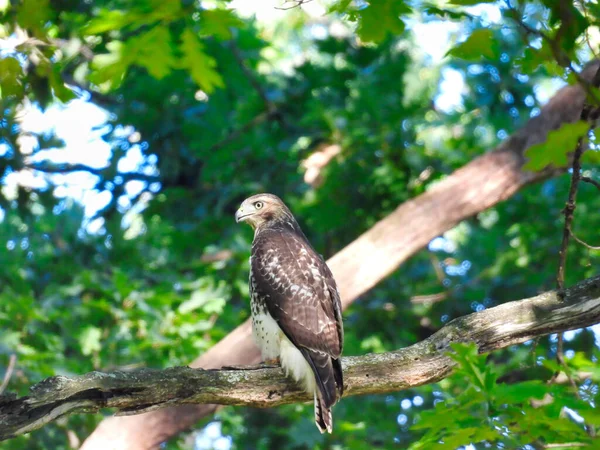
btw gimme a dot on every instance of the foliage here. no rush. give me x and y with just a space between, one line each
219 106
485 410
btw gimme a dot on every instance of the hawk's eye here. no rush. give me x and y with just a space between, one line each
258 205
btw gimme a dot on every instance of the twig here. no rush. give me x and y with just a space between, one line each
562 254
9 371
297 4
559 55
569 212
587 30
585 244
566 444
592 182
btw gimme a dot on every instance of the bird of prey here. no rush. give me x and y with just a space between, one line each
295 304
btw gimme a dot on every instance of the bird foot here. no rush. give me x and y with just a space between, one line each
271 362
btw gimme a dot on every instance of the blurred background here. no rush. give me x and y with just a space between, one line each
131 131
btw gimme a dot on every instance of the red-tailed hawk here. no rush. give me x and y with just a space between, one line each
295 304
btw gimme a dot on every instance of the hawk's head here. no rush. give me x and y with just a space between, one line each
262 209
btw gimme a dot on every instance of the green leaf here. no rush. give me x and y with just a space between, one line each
201 300
33 14
208 297
89 340
474 366
445 13
218 23
107 20
153 51
341 7
61 91
380 18
533 58
10 77
110 67
481 43
521 392
200 65
557 146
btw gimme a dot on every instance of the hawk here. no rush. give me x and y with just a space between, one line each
295 304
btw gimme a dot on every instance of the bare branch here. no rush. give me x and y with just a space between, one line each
295 4
425 362
592 182
9 371
559 54
566 445
585 244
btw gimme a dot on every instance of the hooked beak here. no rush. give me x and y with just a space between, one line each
239 215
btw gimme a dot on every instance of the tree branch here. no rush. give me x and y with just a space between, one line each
484 182
592 182
585 244
422 363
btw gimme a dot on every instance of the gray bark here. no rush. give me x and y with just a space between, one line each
422 363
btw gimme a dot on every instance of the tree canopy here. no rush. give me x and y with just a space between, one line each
348 110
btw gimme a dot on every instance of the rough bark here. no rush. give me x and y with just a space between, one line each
422 363
484 182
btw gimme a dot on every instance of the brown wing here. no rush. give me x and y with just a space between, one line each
300 291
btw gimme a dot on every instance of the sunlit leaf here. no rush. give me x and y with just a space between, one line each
110 67
219 22
200 65
381 18
153 51
107 20
33 14
60 90
10 77
89 339
480 43
555 150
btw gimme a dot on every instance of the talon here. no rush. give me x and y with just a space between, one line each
271 362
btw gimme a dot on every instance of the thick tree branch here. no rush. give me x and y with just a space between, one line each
425 362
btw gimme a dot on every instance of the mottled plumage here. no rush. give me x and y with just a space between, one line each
295 304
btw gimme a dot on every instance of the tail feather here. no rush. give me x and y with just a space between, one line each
325 375
323 417
329 386
338 375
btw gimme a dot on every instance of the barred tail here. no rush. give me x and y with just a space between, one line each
323 417
329 386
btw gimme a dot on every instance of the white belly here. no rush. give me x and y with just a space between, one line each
273 343
266 334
